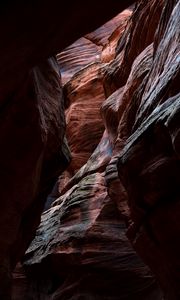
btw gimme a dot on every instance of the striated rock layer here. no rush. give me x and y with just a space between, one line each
33 150
33 154
84 92
149 165
119 197
81 241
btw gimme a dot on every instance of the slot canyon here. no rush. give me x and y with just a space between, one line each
90 150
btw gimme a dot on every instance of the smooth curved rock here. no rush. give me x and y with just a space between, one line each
82 242
32 125
126 193
149 162
138 35
81 239
97 46
84 91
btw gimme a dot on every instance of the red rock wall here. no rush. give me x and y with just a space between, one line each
32 126
131 178
118 201
149 163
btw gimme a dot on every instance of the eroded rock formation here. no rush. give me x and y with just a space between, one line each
149 166
112 229
32 126
34 152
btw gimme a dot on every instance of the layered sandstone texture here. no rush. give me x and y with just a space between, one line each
110 228
34 149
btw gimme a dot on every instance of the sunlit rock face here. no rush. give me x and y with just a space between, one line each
97 46
112 229
82 68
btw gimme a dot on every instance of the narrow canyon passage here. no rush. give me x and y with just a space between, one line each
90 142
